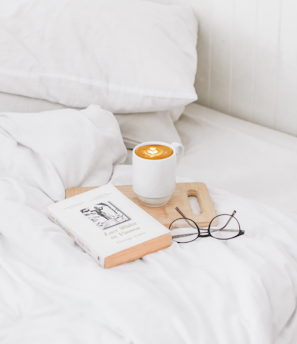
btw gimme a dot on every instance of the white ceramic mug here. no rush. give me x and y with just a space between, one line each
154 180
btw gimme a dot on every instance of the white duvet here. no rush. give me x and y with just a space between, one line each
209 291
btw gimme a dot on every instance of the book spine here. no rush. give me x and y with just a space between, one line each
79 241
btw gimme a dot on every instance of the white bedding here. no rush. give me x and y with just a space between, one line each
222 151
135 127
240 157
209 291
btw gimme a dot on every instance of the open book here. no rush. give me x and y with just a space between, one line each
109 226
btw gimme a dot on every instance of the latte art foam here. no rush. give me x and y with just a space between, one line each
154 152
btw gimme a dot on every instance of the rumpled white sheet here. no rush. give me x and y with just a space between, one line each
210 291
56 150
241 157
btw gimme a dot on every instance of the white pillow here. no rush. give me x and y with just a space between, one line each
126 56
154 126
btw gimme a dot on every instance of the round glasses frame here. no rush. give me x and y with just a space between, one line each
206 232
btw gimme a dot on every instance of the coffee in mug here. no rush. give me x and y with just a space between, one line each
154 152
154 171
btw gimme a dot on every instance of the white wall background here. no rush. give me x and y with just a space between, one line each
247 59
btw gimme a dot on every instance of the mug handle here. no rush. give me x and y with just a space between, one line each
179 151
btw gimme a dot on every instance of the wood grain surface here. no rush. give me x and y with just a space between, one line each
167 213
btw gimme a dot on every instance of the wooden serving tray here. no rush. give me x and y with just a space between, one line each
167 213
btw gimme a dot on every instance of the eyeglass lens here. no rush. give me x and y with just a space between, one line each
224 227
184 230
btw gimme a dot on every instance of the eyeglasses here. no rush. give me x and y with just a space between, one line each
222 227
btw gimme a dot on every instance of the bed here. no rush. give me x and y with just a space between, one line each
209 291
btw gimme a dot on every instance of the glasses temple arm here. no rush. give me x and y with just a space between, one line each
180 212
234 212
184 216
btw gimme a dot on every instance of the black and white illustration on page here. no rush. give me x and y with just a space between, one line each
105 215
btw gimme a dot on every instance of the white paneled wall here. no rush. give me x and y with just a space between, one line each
247 53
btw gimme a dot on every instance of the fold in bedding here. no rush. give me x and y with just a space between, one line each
209 291
55 150
135 127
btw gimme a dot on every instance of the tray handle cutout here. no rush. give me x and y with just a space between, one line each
199 190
